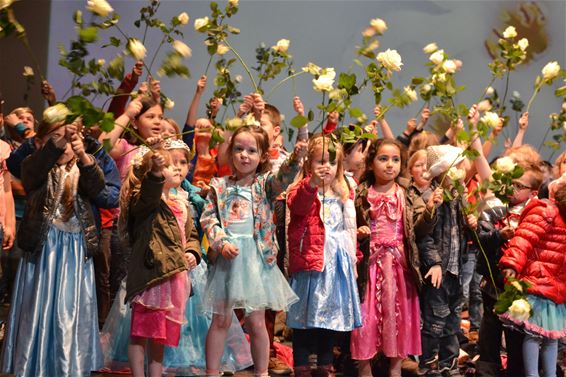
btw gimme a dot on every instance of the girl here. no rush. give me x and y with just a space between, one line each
53 325
388 219
535 254
238 223
145 116
416 168
164 245
322 255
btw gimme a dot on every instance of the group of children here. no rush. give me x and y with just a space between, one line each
369 242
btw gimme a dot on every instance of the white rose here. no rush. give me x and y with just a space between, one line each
484 105
311 68
169 103
373 45
523 44
439 77
504 165
430 48
390 59
489 91
234 3
323 83
337 94
456 174
438 57
517 286
250 120
137 49
222 49
101 62
282 45
234 123
182 49
238 78
426 88
183 18
490 119
410 93
510 32
201 23
368 32
378 25
5 3
55 114
516 94
28 71
550 71
100 7
520 310
449 66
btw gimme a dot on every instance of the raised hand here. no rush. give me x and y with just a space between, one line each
201 84
157 164
298 106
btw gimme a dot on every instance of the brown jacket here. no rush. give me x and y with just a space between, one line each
417 221
157 252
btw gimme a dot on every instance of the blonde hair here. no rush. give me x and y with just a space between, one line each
175 125
420 141
131 187
557 163
417 155
339 185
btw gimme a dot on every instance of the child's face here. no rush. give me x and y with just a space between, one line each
272 130
27 120
386 165
355 160
149 124
417 170
168 130
321 165
522 190
246 154
177 169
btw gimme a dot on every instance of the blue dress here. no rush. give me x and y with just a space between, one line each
245 282
53 323
328 299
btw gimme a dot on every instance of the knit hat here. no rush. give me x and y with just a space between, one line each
440 158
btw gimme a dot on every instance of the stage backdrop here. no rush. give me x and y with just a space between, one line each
326 33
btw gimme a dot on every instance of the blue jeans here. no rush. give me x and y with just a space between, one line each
471 287
440 310
548 355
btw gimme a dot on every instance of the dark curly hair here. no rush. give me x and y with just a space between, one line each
373 149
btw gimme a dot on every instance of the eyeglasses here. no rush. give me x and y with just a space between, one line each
517 186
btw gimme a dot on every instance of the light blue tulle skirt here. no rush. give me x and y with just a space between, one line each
328 299
53 323
188 359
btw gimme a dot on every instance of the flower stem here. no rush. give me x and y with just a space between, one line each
505 94
276 86
208 64
486 262
243 64
537 89
127 39
156 52
486 89
544 138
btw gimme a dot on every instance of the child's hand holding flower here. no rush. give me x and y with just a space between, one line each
472 221
298 106
157 164
436 199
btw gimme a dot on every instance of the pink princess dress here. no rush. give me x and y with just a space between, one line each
390 311
159 312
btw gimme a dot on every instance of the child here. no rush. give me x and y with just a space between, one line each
53 325
442 252
388 217
322 255
238 223
535 255
164 245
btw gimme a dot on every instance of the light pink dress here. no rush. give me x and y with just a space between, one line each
390 311
159 311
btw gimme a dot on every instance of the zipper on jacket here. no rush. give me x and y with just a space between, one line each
302 240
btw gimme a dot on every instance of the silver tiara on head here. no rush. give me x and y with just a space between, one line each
172 143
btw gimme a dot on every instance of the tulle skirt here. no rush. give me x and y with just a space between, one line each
53 323
548 319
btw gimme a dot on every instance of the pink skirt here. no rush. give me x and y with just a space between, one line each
159 312
390 311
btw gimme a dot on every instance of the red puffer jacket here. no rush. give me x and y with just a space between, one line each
306 233
537 252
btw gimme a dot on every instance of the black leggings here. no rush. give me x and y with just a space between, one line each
309 341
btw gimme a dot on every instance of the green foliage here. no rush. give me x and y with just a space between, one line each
510 294
270 63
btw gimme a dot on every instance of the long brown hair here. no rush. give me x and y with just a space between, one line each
373 150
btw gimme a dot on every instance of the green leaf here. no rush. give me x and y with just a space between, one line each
107 145
346 81
89 34
299 121
356 112
310 115
107 122
417 81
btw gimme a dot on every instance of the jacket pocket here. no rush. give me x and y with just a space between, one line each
440 310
